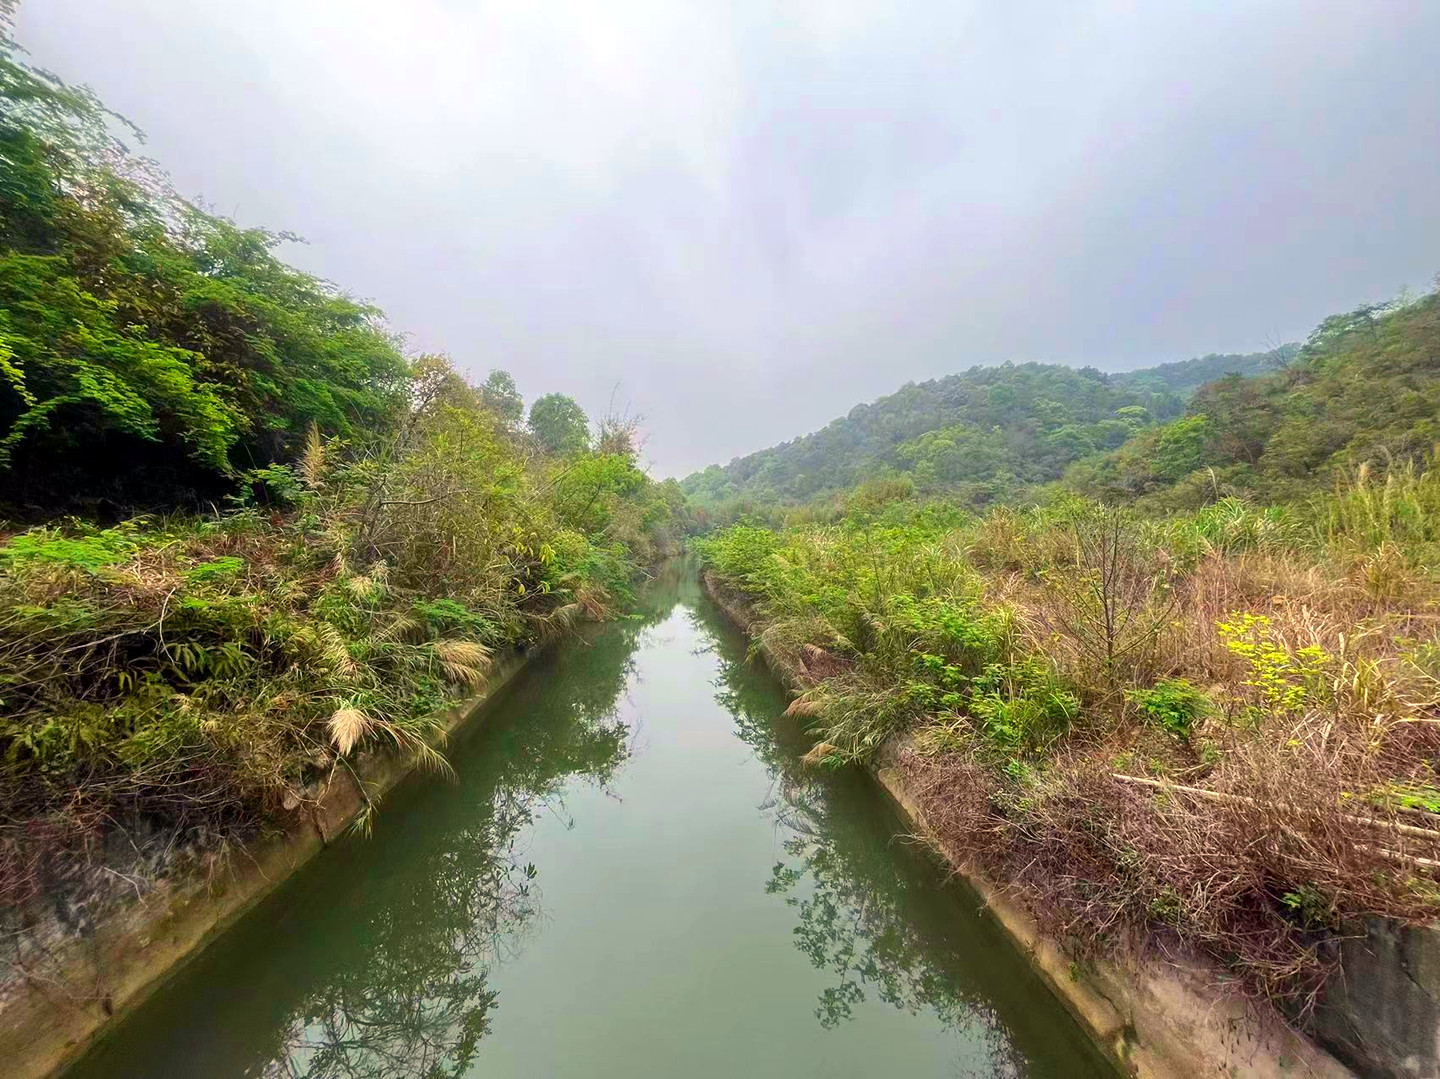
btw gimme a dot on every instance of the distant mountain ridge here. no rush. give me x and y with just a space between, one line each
1187 376
983 430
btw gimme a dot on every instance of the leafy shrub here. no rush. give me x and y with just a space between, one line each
1172 704
90 550
224 568
1023 707
1282 680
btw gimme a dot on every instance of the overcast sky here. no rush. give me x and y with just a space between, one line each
752 216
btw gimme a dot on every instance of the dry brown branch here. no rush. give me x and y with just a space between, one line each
1217 796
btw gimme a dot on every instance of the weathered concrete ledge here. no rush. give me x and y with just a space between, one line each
1154 1020
49 1016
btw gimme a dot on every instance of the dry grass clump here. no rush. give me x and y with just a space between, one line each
1256 878
1288 811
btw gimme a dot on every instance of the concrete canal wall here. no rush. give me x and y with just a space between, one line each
74 972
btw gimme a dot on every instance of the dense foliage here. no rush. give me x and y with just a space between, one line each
149 351
341 540
559 423
1186 376
984 434
1364 390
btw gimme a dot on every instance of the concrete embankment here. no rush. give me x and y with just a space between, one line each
1171 1019
73 973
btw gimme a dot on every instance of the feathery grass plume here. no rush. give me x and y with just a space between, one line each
595 603
347 727
312 461
822 753
463 661
803 708
430 759
558 620
399 628
419 739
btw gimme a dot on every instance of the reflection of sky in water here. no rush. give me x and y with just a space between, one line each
705 901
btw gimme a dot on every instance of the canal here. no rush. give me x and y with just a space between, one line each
633 875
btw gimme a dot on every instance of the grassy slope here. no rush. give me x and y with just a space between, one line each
1281 659
182 680
1288 666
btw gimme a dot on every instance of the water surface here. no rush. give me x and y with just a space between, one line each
632 876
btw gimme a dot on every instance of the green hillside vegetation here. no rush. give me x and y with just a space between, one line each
338 541
1189 693
1186 376
1365 389
983 435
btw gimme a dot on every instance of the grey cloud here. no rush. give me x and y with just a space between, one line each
752 216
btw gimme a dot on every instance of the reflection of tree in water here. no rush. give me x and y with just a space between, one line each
419 1006
407 995
861 908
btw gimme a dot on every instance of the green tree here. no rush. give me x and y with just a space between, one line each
559 423
498 393
1182 447
150 352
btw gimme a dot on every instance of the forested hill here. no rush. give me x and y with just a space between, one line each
1365 390
984 430
1187 376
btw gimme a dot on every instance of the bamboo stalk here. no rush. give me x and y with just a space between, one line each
1240 799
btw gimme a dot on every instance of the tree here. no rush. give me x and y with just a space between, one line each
499 395
1181 447
560 423
151 352
1243 412
1113 602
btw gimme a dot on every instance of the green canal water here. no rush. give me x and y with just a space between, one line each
632 876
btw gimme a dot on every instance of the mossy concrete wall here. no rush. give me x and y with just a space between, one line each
53 1008
1381 1012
